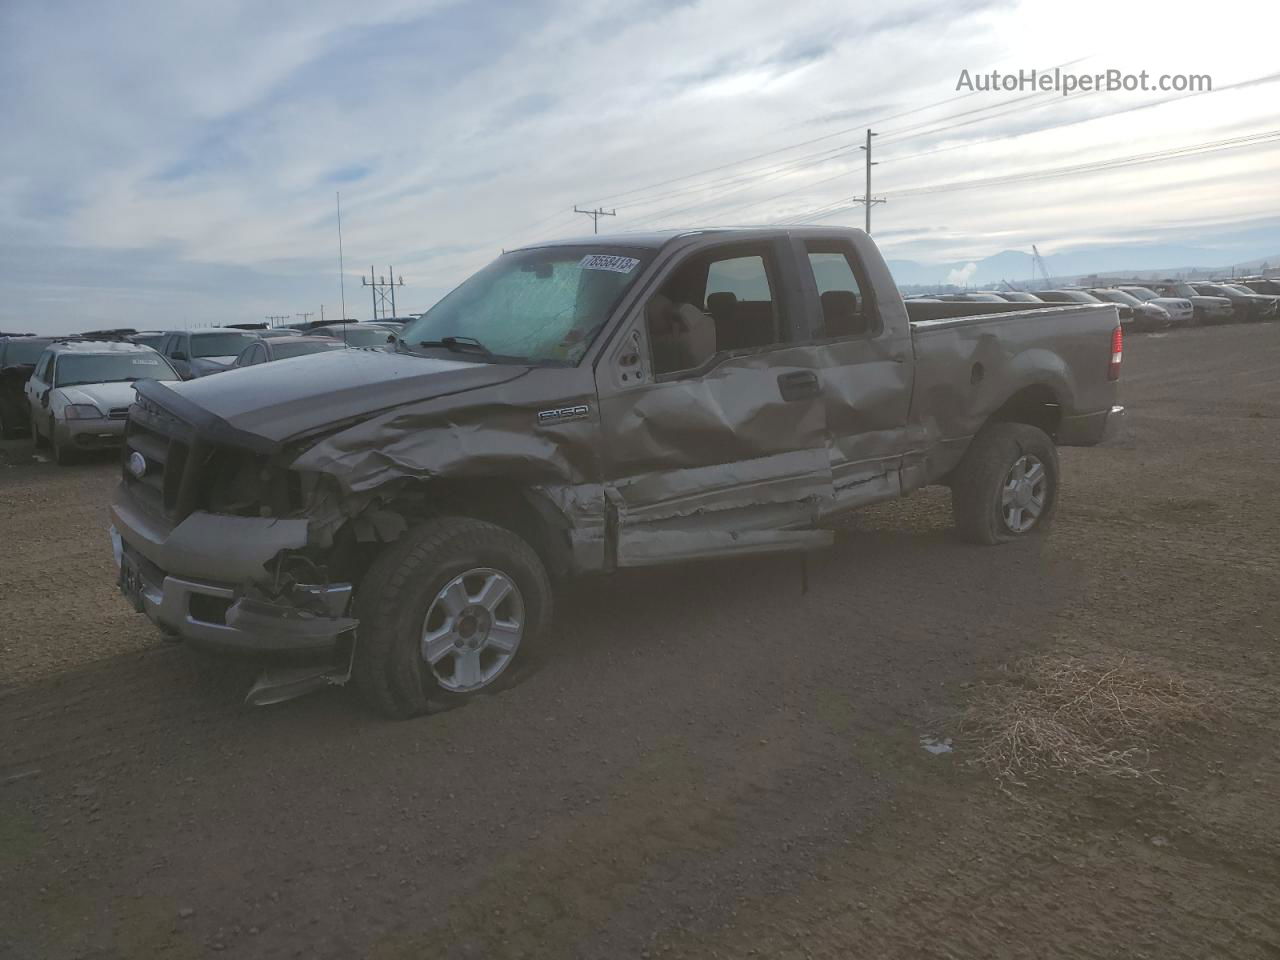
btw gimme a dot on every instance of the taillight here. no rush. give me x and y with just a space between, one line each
1117 353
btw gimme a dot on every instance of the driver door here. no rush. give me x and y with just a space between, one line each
713 428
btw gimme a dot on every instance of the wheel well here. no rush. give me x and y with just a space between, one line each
523 511
1035 405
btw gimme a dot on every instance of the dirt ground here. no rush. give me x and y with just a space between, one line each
706 762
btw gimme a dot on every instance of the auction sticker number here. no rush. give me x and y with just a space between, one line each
605 261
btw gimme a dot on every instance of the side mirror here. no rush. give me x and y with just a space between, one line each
44 397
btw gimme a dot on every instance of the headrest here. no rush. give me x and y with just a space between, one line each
839 303
721 303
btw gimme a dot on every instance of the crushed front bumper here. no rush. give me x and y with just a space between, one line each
194 581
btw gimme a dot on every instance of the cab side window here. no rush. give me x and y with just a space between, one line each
715 302
846 310
44 369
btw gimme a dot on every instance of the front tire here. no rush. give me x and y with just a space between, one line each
447 612
63 455
1006 487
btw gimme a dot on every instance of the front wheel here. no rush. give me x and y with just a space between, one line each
36 438
63 455
447 612
1006 487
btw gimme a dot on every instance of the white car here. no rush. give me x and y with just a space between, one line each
1181 310
81 391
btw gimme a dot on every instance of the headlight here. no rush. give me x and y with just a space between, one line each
81 411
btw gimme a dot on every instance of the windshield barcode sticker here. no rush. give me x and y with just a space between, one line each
605 261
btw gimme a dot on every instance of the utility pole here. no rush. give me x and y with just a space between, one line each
866 199
305 316
383 291
277 318
595 216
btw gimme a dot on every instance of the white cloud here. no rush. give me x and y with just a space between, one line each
213 136
960 276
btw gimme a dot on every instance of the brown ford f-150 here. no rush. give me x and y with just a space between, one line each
574 408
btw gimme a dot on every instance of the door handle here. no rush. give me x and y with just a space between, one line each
798 385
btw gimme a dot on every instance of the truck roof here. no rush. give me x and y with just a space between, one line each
656 239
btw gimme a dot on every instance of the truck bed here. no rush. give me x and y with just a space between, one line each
967 367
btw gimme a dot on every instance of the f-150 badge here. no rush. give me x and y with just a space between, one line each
561 414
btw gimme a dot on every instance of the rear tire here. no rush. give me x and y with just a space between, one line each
431 591
1006 486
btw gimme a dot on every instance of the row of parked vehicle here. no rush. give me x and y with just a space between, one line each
74 392
1155 305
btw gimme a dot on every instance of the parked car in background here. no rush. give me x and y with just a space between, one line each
1262 285
198 353
1261 301
18 356
1207 309
277 333
284 348
148 338
973 296
368 335
1247 305
1081 296
1018 296
1143 316
1066 296
80 393
1181 310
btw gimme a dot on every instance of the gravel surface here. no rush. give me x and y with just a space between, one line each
705 762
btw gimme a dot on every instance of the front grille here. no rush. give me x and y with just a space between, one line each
165 443
118 413
185 472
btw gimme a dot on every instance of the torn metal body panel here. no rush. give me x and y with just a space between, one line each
686 396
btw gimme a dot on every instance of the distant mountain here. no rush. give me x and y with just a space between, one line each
1015 266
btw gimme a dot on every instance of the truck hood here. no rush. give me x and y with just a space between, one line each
279 401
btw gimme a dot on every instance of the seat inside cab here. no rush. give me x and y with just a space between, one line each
714 303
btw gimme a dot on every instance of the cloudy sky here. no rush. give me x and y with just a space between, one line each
177 162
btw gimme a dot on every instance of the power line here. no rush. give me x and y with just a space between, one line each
830 154
1255 81
1174 153
802 143
1268 78
809 160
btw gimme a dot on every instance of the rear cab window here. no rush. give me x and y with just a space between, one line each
846 309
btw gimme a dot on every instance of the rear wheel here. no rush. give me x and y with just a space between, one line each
1006 487
447 612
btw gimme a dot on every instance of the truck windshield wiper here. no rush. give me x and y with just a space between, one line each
459 345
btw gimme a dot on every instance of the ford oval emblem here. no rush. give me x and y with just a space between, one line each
137 464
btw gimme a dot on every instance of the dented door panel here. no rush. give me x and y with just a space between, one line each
717 462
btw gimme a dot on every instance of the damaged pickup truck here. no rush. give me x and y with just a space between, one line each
575 408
